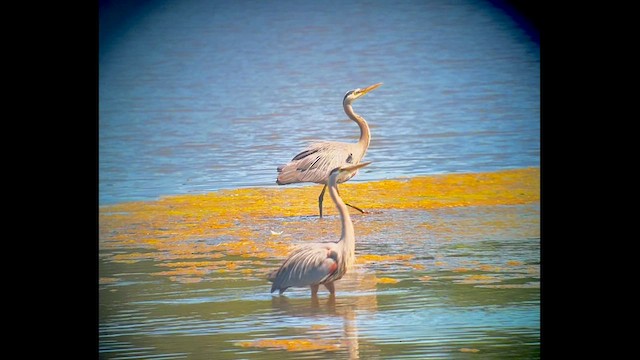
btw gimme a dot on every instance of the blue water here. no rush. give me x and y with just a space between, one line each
434 311
196 96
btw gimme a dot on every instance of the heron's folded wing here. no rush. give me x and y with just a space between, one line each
306 266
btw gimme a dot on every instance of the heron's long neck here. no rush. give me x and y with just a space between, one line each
348 235
365 134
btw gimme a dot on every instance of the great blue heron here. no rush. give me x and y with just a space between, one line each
315 162
323 263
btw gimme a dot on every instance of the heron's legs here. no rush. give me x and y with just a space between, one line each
321 198
330 287
355 207
331 301
314 290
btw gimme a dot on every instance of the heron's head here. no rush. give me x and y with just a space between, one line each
335 173
352 95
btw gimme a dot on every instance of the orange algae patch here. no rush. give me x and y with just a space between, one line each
292 344
480 277
131 257
218 210
319 327
469 350
514 263
192 270
107 280
202 227
489 268
507 187
191 264
425 278
386 280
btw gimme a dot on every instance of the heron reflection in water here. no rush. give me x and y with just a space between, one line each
321 263
342 338
315 162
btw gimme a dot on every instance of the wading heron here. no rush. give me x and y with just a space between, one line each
315 162
321 263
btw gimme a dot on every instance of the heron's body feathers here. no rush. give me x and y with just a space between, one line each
308 265
315 162
328 163
315 264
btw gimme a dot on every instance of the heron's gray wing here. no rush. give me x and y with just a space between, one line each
306 266
316 162
305 153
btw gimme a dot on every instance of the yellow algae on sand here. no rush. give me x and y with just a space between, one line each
198 214
507 187
319 327
107 280
233 225
386 280
291 344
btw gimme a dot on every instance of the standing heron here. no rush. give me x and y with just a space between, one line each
315 162
323 263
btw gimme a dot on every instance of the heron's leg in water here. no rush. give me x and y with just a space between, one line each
314 290
355 207
321 198
330 287
331 301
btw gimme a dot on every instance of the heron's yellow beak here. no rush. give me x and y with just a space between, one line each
367 89
354 167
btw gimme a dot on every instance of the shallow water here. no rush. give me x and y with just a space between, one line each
417 291
196 96
185 277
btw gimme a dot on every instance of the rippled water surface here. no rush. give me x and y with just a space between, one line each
440 284
197 96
